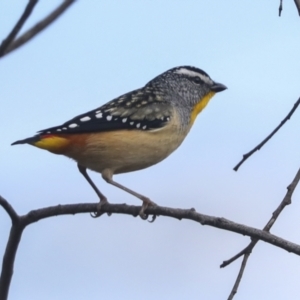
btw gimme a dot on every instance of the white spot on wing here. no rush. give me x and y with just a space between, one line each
73 125
108 118
84 119
65 128
124 120
58 129
191 73
138 125
144 127
131 123
99 115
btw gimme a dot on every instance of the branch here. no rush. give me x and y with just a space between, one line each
9 259
9 209
177 213
297 2
280 8
239 277
189 214
247 251
27 12
259 146
32 32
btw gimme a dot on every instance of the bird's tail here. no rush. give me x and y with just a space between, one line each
53 143
32 140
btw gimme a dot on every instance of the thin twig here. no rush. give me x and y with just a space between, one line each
280 8
9 209
27 12
32 32
239 277
247 251
286 201
297 2
259 146
238 255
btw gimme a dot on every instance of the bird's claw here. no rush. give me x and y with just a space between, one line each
153 219
146 204
98 213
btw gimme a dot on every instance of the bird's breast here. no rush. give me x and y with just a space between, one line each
128 150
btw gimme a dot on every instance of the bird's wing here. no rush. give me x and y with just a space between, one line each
139 110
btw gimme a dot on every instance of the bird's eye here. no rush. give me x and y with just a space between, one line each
197 79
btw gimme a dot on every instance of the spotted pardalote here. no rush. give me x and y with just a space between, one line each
134 131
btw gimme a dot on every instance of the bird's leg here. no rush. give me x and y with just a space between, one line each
107 176
102 198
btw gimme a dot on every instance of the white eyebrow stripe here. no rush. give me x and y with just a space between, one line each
191 73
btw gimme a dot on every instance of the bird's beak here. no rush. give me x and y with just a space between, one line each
218 87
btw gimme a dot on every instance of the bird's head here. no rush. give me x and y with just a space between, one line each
188 88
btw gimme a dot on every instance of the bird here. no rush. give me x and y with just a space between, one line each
134 131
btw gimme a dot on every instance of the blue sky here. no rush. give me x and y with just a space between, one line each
101 49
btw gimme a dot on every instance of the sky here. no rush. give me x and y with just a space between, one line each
99 50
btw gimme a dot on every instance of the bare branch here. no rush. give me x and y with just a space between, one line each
239 277
280 8
189 214
177 213
27 12
9 209
9 259
286 201
259 146
238 255
32 32
297 2
247 251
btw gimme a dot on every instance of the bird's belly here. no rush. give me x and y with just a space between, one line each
126 151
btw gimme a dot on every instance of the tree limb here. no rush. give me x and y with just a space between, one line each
177 213
280 8
297 2
27 12
32 32
9 209
259 146
189 214
239 277
247 251
9 259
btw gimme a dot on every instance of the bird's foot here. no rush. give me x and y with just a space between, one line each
146 203
98 213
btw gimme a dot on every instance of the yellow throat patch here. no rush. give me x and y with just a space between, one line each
200 105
